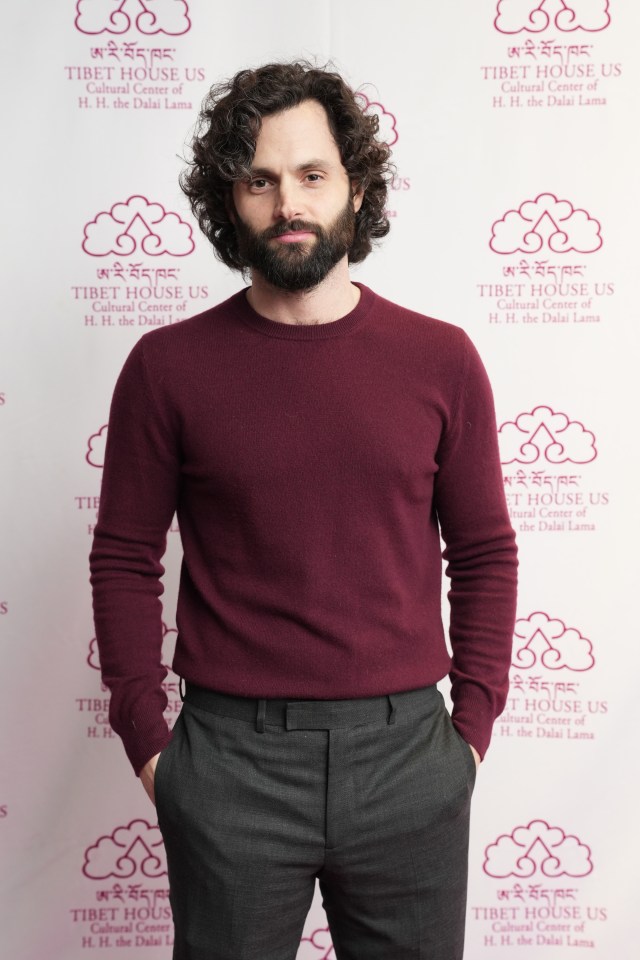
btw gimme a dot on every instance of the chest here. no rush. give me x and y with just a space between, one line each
255 424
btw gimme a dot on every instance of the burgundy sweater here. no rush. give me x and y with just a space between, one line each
313 469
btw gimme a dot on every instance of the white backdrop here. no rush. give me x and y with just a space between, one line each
514 214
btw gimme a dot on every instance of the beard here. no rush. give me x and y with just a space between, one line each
302 265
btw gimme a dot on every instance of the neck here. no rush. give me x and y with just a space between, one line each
332 299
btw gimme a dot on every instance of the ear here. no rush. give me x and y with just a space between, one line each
357 192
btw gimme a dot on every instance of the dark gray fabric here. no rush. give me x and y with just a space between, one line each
378 811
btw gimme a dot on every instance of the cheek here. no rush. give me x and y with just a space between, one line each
254 213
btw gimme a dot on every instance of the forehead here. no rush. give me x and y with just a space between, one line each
292 136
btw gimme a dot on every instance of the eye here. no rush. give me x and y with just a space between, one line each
314 177
258 183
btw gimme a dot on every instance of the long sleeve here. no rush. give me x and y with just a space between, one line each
138 499
481 556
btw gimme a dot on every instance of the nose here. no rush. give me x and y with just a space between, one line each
289 204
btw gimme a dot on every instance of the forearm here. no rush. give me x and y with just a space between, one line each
137 502
128 623
483 610
481 557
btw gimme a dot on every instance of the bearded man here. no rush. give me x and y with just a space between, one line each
316 441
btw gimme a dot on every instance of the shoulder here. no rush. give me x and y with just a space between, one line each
188 338
438 337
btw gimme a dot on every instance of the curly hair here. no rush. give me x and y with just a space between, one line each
224 145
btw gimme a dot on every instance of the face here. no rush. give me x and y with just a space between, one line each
295 216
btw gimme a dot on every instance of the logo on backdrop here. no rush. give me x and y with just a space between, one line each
134 58
134 850
387 130
96 447
543 434
543 490
317 946
540 902
542 641
138 225
537 848
126 292
554 58
387 133
552 705
133 910
117 16
534 16
541 285
546 222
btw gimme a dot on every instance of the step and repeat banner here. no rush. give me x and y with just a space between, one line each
514 212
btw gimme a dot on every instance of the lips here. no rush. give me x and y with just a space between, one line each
295 237
295 231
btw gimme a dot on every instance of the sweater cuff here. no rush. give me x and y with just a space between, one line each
473 718
141 746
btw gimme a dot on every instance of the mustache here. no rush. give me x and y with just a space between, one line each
293 226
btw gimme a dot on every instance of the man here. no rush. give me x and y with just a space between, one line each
314 439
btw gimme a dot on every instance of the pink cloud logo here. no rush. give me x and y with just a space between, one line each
117 16
96 447
543 434
535 848
316 947
541 639
137 224
93 659
546 221
387 132
128 850
534 16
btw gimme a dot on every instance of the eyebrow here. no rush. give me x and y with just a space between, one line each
307 165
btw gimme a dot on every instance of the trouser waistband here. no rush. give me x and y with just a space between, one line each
310 714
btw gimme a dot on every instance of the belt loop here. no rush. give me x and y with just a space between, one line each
392 715
181 688
262 712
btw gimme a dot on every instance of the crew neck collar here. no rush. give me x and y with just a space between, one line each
304 331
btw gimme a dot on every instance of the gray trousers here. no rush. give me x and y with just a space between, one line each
255 799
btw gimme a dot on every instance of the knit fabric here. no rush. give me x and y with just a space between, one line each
313 470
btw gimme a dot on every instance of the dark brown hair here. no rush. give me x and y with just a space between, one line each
224 145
